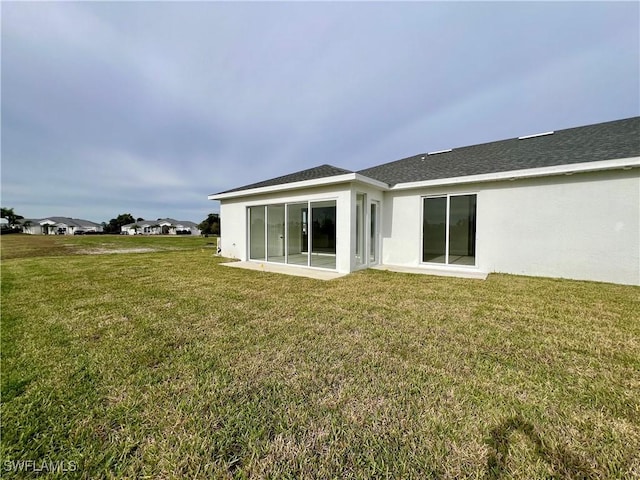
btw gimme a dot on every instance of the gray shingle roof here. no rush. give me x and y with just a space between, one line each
172 221
188 224
321 171
71 222
603 141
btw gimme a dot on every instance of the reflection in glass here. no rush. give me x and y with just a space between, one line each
256 233
276 237
373 243
275 233
323 234
360 228
462 230
297 234
434 230
460 225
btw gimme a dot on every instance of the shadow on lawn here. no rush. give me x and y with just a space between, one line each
564 463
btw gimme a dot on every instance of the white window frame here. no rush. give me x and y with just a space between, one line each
286 231
447 228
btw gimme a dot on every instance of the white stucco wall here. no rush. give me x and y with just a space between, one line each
33 229
233 242
584 226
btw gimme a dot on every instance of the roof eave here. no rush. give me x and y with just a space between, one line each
316 182
371 181
568 169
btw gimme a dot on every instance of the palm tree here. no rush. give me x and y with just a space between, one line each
10 215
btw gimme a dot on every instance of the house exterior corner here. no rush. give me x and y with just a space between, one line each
562 204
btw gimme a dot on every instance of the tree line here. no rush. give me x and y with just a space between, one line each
209 226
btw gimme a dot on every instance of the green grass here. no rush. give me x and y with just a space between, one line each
167 365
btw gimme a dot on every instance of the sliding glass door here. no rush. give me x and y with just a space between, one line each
323 234
449 230
294 233
297 234
462 230
257 233
360 228
434 230
275 233
373 233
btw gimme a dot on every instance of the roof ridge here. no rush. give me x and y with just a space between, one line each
587 143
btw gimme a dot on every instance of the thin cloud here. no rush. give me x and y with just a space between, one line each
148 107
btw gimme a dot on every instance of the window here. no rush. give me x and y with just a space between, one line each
449 230
257 233
297 236
373 232
294 233
360 235
275 233
323 234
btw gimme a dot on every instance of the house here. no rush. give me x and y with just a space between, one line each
162 226
555 204
59 226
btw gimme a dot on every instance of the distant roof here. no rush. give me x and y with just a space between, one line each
186 223
321 171
71 222
602 141
170 221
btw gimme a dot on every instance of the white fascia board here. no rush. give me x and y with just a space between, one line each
347 177
371 181
621 163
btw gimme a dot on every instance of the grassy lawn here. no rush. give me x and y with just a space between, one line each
21 246
166 365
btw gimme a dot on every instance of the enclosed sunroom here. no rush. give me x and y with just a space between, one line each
324 218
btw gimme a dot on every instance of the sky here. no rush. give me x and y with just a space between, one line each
146 108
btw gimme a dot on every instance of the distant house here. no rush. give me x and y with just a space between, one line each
162 226
555 204
59 226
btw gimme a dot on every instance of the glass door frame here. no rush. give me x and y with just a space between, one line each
447 197
308 248
373 243
361 231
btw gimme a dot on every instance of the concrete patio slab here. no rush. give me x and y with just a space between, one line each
286 270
